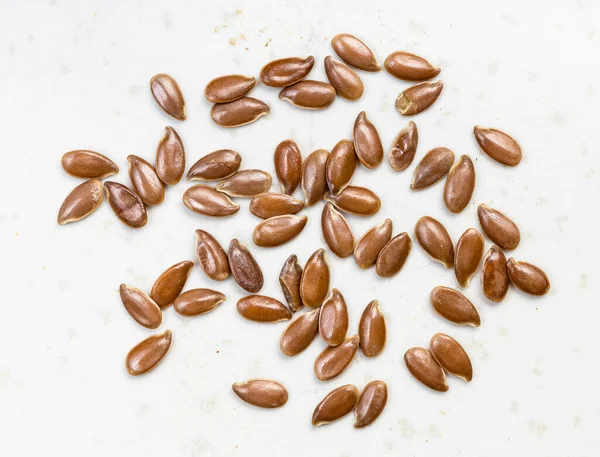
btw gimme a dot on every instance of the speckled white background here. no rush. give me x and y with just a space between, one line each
74 74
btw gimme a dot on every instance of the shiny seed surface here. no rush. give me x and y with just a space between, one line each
334 359
409 67
371 403
425 369
289 280
314 176
355 200
263 393
336 231
309 94
169 284
288 165
367 142
468 255
81 202
211 256
392 257
300 333
372 330
206 200
244 268
460 185
126 204
287 71
239 112
278 230
498 227
168 95
260 308
245 183
341 164
403 149
527 277
333 319
494 275
170 157
432 168
274 204
145 181
418 98
198 301
148 353
435 240
314 285
228 88
371 243
140 306
344 79
498 145
454 306
354 52
215 165
88 164
451 356
335 405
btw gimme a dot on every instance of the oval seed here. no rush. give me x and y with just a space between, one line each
314 176
244 268
340 166
367 142
147 354
289 280
460 185
278 230
170 157
261 392
81 202
198 301
215 165
469 251
334 359
393 255
300 333
498 227
355 200
260 308
435 240
425 369
285 72
140 306
309 94
335 405
228 88
432 168
168 95
371 243
288 165
88 164
336 232
146 182
371 402
239 112
245 183
211 256
169 284
314 284
409 67
126 204
206 200
418 98
333 319
454 306
451 356
354 52
498 145
527 277
273 204
344 79
404 147
372 330
494 275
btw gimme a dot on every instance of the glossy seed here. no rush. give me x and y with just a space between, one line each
126 204
88 164
334 359
215 165
403 149
494 275
425 369
147 354
454 306
435 240
527 277
228 88
451 356
409 67
287 71
336 231
433 167
289 280
354 52
198 301
170 157
168 95
372 330
392 257
261 392
314 284
81 202
145 181
244 268
469 251
333 319
335 405
418 98
273 204
498 145
314 176
344 79
260 308
355 200
309 94
245 183
498 227
371 243
367 142
206 200
340 166
300 333
278 230
140 306
239 112
211 256
371 403
288 165
169 284
460 185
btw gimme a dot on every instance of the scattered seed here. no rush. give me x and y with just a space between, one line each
245 183
88 164
170 283
285 72
393 255
336 232
168 95
126 204
409 67
344 79
340 166
314 178
140 306
216 165
239 112
460 184
355 200
81 202
418 98
289 279
435 240
454 306
425 369
147 354
278 230
334 359
273 204
469 251
206 200
432 168
261 392
498 227
211 256
300 333
170 157
372 330
371 403
335 405
451 356
333 319
288 165
354 52
260 308
198 301
314 284
228 88
309 94
146 182
404 147
498 145
527 277
244 268
367 142
494 275
371 243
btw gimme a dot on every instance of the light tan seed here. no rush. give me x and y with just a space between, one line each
198 301
206 200
494 275
334 359
242 111
314 284
314 176
260 308
168 95
170 157
140 306
451 356
245 183
278 230
340 166
418 98
344 79
287 71
527 277
337 232
169 284
244 268
145 181
432 168
469 251
355 200
498 145
409 67
371 403
498 227
300 333
211 256
425 369
392 257
354 52
88 164
81 202
228 88
367 142
454 306
148 353
333 319
261 392
404 147
215 165
273 204
309 94
335 405
371 243
126 204
435 240
460 185
288 165
289 280
372 330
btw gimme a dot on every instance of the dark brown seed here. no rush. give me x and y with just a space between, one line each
371 330
273 204
340 166
145 181
211 256
404 147
170 157
228 88
527 277
206 200
140 306
260 308
300 333
314 176
354 52
355 200
314 285
454 306
451 356
285 72
435 240
288 165
344 79
494 275
244 268
418 98
261 392
425 369
409 67
216 165
239 112
168 95
498 227
393 255
469 251
460 185
333 319
147 354
126 204
278 230
289 279
498 145
335 405
198 301
367 142
245 183
170 283
81 202
432 168
334 359
371 402
336 232
88 164
309 94
371 243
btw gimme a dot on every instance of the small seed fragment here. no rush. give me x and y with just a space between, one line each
244 268
309 94
425 369
432 168
393 255
170 157
211 256
367 142
527 277
371 402
206 200
355 200
335 405
469 251
336 231
288 165
242 111
261 392
300 333
371 243
289 279
81 202
454 306
333 319
215 165
169 284
273 204
340 166
314 284
498 227
228 88
278 230
372 330
334 359
418 98
260 308
198 301
494 275
409 67
86 164
287 71
354 52
140 306
168 95
435 240
460 185
451 356
126 204
404 147
148 353
145 181
344 79
245 183
498 145
314 176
